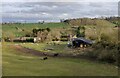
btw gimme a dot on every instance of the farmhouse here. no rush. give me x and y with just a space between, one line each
81 42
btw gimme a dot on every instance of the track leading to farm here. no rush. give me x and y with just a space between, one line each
40 53
50 54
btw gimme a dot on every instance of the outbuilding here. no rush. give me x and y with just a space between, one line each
81 42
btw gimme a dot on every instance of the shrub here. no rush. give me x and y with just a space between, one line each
48 29
104 51
108 56
92 38
92 54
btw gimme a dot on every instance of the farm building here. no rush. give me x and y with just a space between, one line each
27 39
81 42
23 39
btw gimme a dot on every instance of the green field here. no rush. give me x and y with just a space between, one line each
60 47
17 29
16 63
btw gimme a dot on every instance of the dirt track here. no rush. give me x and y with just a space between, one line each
39 53
50 54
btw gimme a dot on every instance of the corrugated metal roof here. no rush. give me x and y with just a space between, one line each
83 39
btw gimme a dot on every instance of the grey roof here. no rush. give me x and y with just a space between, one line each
83 39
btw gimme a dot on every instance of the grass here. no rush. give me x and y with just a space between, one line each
26 28
16 29
91 32
17 64
60 47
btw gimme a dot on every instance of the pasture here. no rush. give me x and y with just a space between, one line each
60 47
19 30
16 63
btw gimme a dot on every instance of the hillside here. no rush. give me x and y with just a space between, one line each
93 28
88 21
19 30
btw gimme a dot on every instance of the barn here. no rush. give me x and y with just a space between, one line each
81 42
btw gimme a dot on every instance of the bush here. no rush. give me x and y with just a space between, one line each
104 51
92 38
108 56
92 54
7 39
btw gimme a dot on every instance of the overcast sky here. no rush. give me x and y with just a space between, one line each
54 11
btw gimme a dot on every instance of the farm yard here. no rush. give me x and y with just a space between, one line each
52 56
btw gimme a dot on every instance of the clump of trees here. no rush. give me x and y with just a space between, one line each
104 50
41 22
80 31
36 31
114 20
81 21
41 33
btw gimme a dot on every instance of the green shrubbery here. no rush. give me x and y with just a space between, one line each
104 51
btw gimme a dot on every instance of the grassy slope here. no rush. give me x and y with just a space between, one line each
105 28
15 63
11 29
